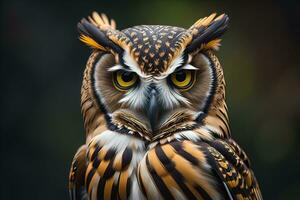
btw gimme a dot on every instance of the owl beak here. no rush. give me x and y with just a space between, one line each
152 110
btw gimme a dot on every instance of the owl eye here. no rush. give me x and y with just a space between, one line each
123 80
183 79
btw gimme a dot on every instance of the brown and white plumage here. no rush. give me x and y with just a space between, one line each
155 116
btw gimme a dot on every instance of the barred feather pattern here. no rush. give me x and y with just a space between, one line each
179 169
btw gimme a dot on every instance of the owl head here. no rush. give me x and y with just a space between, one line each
153 81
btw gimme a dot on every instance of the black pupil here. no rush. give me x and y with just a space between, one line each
180 76
127 76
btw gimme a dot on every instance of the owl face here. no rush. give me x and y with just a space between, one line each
153 80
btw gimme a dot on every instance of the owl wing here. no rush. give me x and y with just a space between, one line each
230 163
196 170
77 173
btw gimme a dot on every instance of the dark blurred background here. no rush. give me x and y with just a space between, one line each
42 63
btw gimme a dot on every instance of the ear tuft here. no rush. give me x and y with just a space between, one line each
97 32
102 21
206 33
90 42
213 45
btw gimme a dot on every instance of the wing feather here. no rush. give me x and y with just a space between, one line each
198 170
231 169
77 174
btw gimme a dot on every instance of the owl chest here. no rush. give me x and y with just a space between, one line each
113 161
124 167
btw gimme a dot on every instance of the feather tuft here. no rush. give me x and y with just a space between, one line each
90 42
206 33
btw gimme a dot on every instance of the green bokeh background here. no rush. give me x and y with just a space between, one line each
41 72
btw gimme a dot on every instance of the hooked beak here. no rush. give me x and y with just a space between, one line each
152 110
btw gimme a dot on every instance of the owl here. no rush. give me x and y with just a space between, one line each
155 116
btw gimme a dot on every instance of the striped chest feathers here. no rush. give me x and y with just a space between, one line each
125 165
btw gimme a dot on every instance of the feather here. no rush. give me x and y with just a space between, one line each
97 36
90 42
76 177
206 33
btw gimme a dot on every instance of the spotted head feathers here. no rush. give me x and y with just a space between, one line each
153 47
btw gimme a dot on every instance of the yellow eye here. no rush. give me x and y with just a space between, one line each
183 79
124 80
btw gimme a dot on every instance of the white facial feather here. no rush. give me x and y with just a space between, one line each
177 62
136 97
170 98
116 68
189 67
132 64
